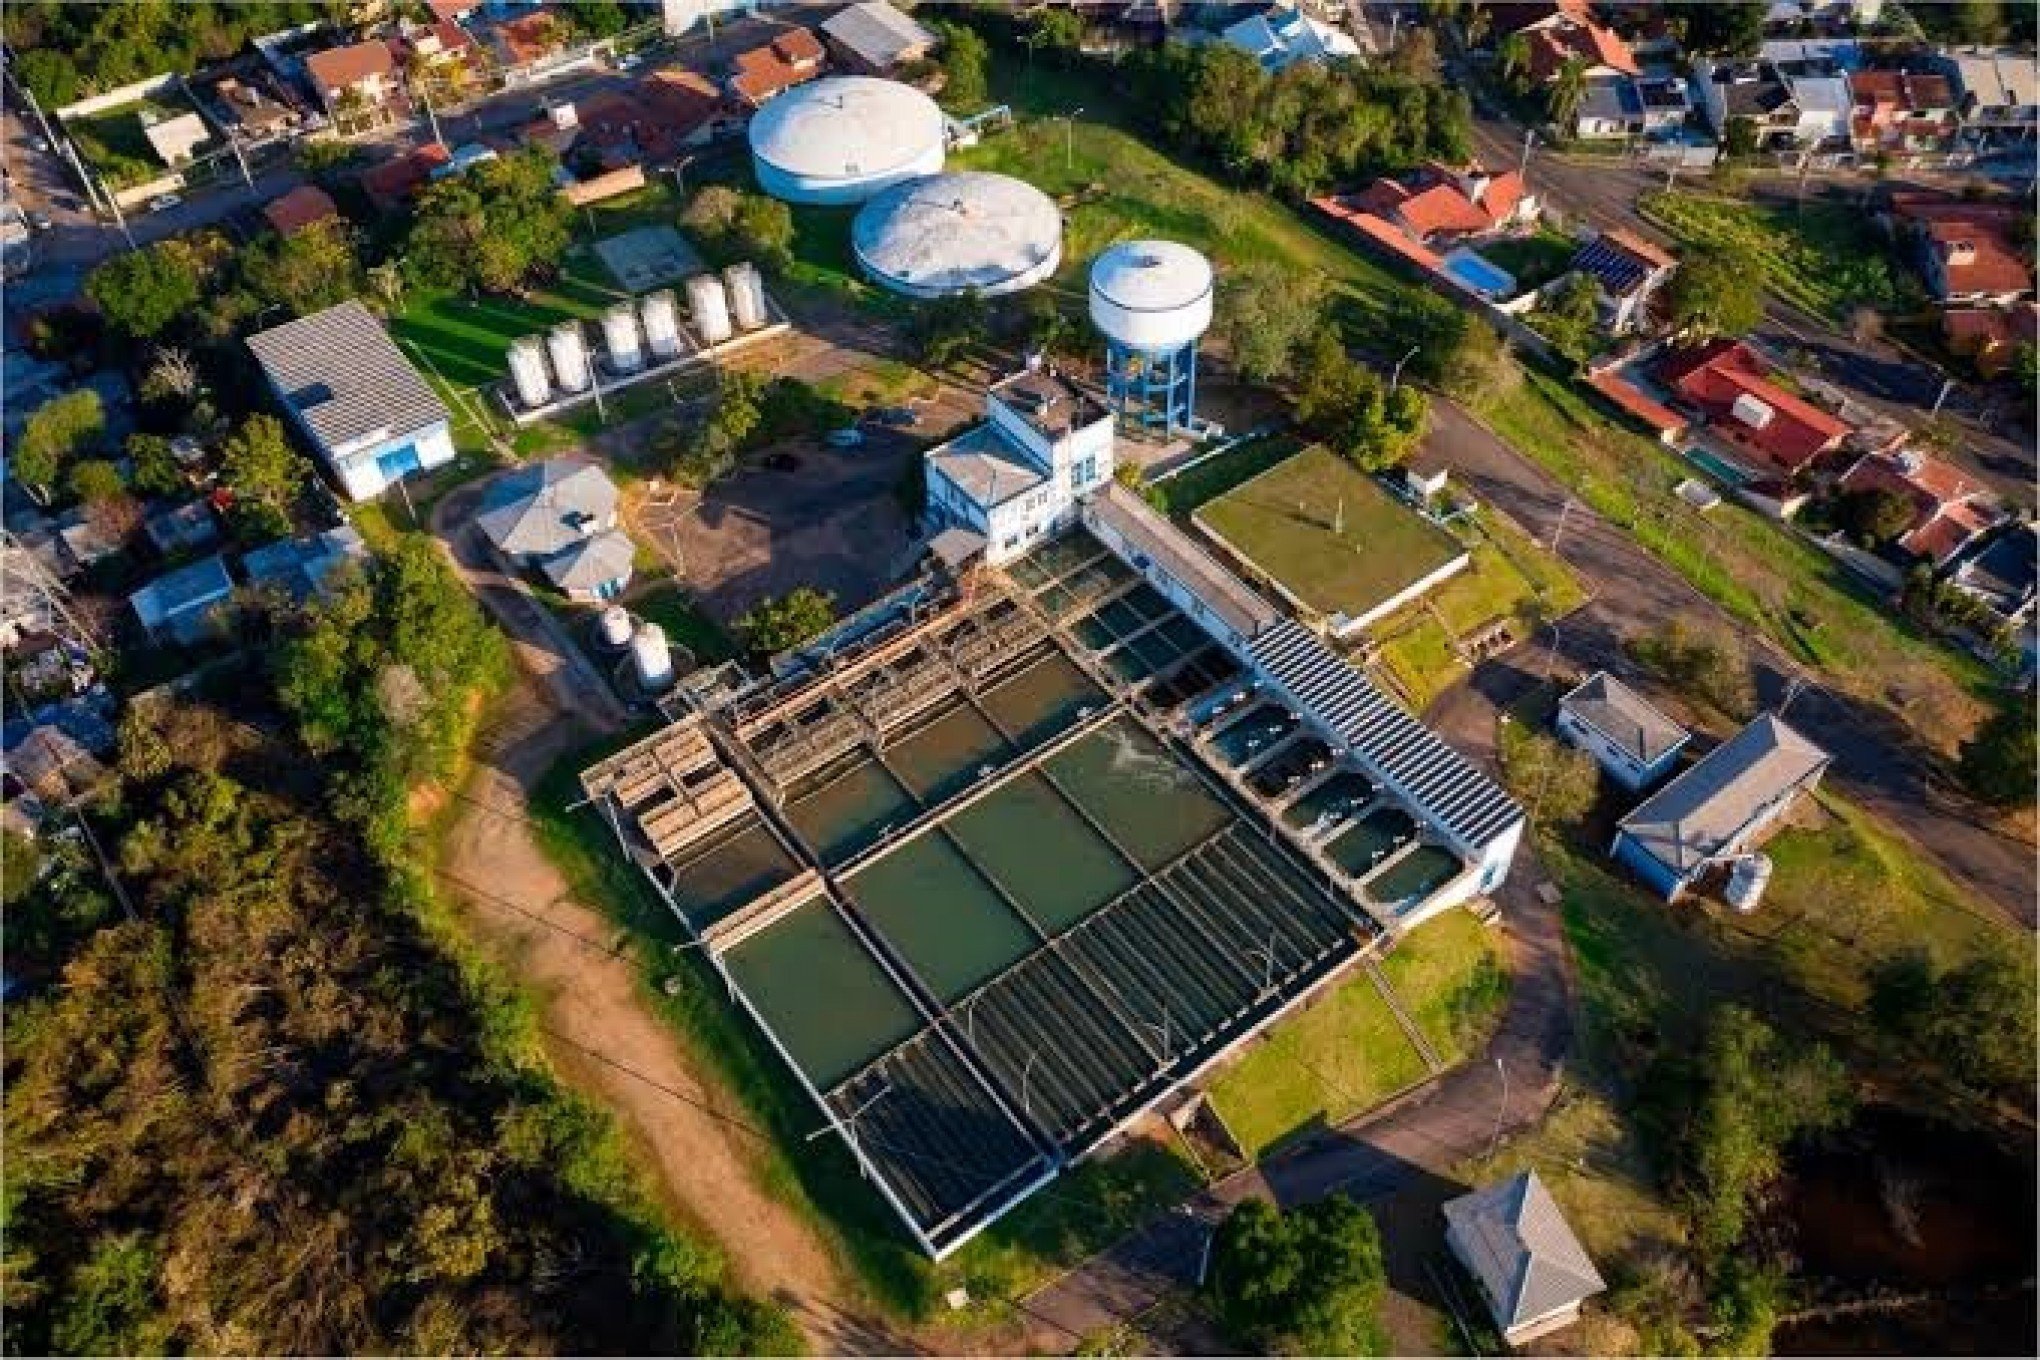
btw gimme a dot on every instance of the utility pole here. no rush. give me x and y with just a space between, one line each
1947 386
431 116
1395 378
1501 1109
1564 511
1529 140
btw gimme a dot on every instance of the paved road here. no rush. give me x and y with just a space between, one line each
1875 756
1417 1142
1602 192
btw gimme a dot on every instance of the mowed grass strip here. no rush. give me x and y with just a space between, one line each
1448 973
1328 534
1327 1063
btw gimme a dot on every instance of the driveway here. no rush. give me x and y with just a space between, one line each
1634 592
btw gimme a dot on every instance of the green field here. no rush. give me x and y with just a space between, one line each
1450 976
1324 1064
1825 257
1328 534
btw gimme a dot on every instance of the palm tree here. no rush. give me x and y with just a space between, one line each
1513 55
1568 88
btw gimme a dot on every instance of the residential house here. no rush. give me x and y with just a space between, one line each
305 206
1991 337
2003 573
253 113
399 178
874 39
1967 251
304 568
1625 734
369 415
1901 113
176 530
1559 35
1844 54
358 83
650 123
1532 1271
559 517
1434 208
57 753
1627 272
1949 510
176 140
1751 92
1997 96
1820 91
185 606
1719 808
1667 104
1730 389
528 39
792 58
1283 35
1610 109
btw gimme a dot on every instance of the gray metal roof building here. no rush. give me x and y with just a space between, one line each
1625 718
345 378
591 563
1515 1241
1440 783
302 566
546 507
877 36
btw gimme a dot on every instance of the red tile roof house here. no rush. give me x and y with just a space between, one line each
1729 387
300 208
1967 251
1434 206
1949 511
396 180
1990 337
792 58
1901 113
358 84
648 125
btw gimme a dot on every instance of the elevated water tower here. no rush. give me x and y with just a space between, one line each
1152 302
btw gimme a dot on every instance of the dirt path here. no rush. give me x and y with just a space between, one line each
608 1045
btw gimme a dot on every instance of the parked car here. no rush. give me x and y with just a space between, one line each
902 416
630 62
845 439
39 221
163 202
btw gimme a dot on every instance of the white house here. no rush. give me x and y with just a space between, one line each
1045 444
1280 37
1635 743
1532 1271
368 413
175 140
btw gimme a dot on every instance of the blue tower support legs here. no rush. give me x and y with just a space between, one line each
1152 389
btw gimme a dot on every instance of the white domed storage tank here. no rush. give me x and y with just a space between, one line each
1152 302
527 372
650 657
844 138
614 628
662 325
569 351
958 231
747 294
620 338
710 308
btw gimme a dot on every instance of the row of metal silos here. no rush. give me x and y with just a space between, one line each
561 359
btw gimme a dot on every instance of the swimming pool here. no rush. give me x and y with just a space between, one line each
1475 271
1720 469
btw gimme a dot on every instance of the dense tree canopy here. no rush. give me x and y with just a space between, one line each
494 228
1347 404
144 291
965 63
801 615
60 430
1998 761
72 49
307 271
1267 313
266 474
1725 28
1715 293
731 225
1568 318
1874 514
1307 1280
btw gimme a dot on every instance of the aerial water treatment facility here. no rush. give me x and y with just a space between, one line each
1234 815
843 139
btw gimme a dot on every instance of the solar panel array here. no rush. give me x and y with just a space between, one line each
1440 783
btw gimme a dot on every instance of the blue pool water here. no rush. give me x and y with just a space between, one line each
1721 470
1479 274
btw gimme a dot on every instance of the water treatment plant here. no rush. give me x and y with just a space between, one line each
1234 815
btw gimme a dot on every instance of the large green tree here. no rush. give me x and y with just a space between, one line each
265 472
801 615
1307 1280
1267 313
142 292
1973 1021
965 63
1715 292
1725 28
493 228
1997 762
307 271
1346 404
57 432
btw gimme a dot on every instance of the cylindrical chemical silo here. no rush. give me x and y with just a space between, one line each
614 628
709 308
662 326
569 351
620 338
527 372
747 294
651 657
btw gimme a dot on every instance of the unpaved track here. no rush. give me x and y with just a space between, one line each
607 1044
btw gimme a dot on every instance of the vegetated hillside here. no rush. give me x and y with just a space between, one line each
275 1110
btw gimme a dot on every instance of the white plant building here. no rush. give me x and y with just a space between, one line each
843 139
368 413
957 232
1018 477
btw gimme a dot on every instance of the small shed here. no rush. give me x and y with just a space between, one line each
1533 1272
1624 733
1426 477
1718 808
875 39
183 606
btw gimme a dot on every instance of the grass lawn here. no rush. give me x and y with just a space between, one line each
1449 974
1824 257
1184 491
1535 259
1764 575
1328 534
1319 1066
1419 652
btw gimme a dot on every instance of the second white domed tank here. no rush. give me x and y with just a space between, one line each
527 371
